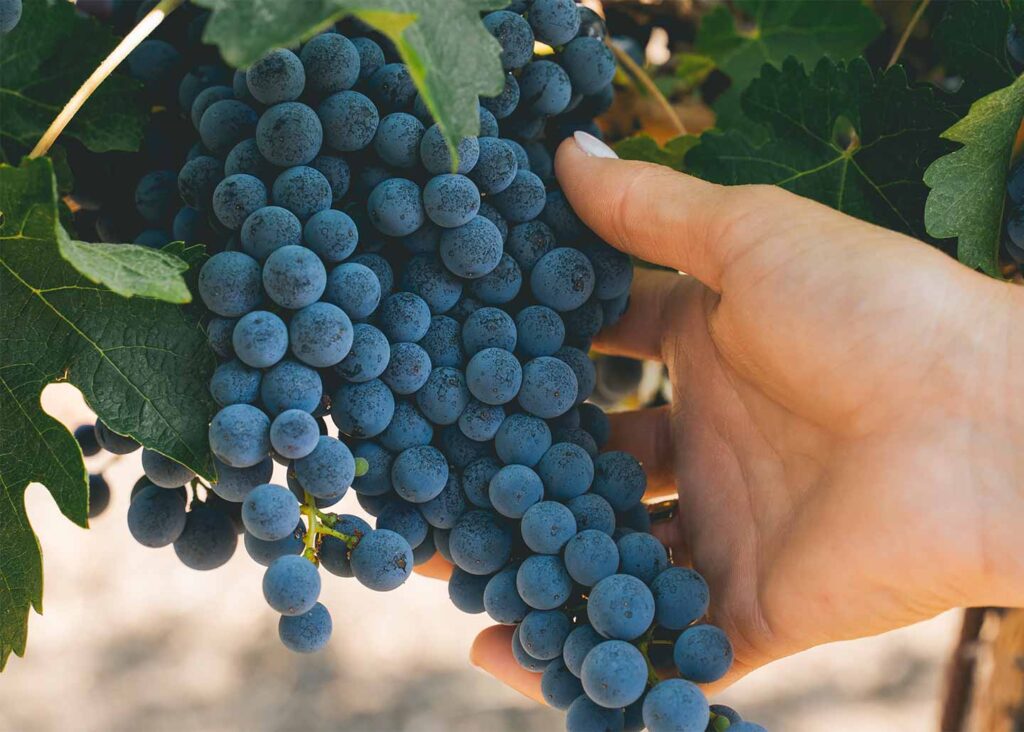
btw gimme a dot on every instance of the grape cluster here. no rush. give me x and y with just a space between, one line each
439 311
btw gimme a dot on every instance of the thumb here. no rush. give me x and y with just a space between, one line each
653 212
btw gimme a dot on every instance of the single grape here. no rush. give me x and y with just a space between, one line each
208 540
225 123
505 102
331 62
614 674
404 519
620 606
302 190
260 338
524 659
480 422
577 645
308 632
563 279
408 368
544 88
349 120
156 516
289 134
590 556
528 242
436 157
675 705
397 141
363 409
702 653
328 470
515 36
290 385
543 633
522 200
549 387
472 249
543 582
234 484
236 197
554 22
451 200
198 179
494 376
419 473
642 556
377 479
336 171
501 598
522 439
354 288
240 435
514 489
620 479
291 584
278 76
391 87
331 234
395 207
408 428
547 527
164 472
369 355
584 715
382 560
294 434
559 686
320 334
480 543
444 510
589 63
371 57
466 591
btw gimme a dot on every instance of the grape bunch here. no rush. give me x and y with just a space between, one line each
438 309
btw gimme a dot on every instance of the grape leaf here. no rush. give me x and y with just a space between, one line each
771 31
969 185
644 147
451 56
44 60
128 269
971 41
141 364
840 136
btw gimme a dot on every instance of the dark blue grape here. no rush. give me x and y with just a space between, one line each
522 440
191 226
270 512
437 158
680 597
528 242
265 552
391 87
467 591
515 36
164 472
590 556
218 334
337 173
302 190
620 606
451 200
153 62
234 484
289 134
563 279
371 57
354 288
567 471
404 317
294 277
331 62
156 517
505 102
488 328
276 77
592 512
543 633
294 434
85 436
547 527
584 715
472 249
382 560
619 478
554 22
245 157
424 240
426 276
544 88
395 207
702 653
260 338
197 180
377 479
208 540
642 556
480 422
675 705
154 196
320 334
290 385
522 200
497 166
442 342
577 645
268 229
514 489
328 470
488 124
613 273
368 356
236 197
206 99
501 598
408 368
444 510
408 428
614 674
494 376
500 285
543 582
308 632
349 120
397 141
291 584
240 435
549 387
225 123
479 543
589 64
476 479
363 409
380 267
524 659
404 519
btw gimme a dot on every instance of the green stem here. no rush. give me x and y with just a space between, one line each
643 645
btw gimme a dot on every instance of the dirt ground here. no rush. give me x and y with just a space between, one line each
133 640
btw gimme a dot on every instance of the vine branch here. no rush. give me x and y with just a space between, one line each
914 20
128 44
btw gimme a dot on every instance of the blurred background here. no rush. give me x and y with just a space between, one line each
133 640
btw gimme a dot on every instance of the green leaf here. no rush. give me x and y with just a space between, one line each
969 185
451 56
644 147
141 364
44 61
840 136
772 30
971 41
128 269
692 69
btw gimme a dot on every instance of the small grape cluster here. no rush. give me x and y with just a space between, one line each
440 311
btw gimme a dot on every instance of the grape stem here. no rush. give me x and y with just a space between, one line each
644 79
128 44
321 523
643 644
915 18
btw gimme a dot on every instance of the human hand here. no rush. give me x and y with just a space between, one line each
841 434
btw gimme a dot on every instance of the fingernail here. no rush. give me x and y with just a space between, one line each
591 146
